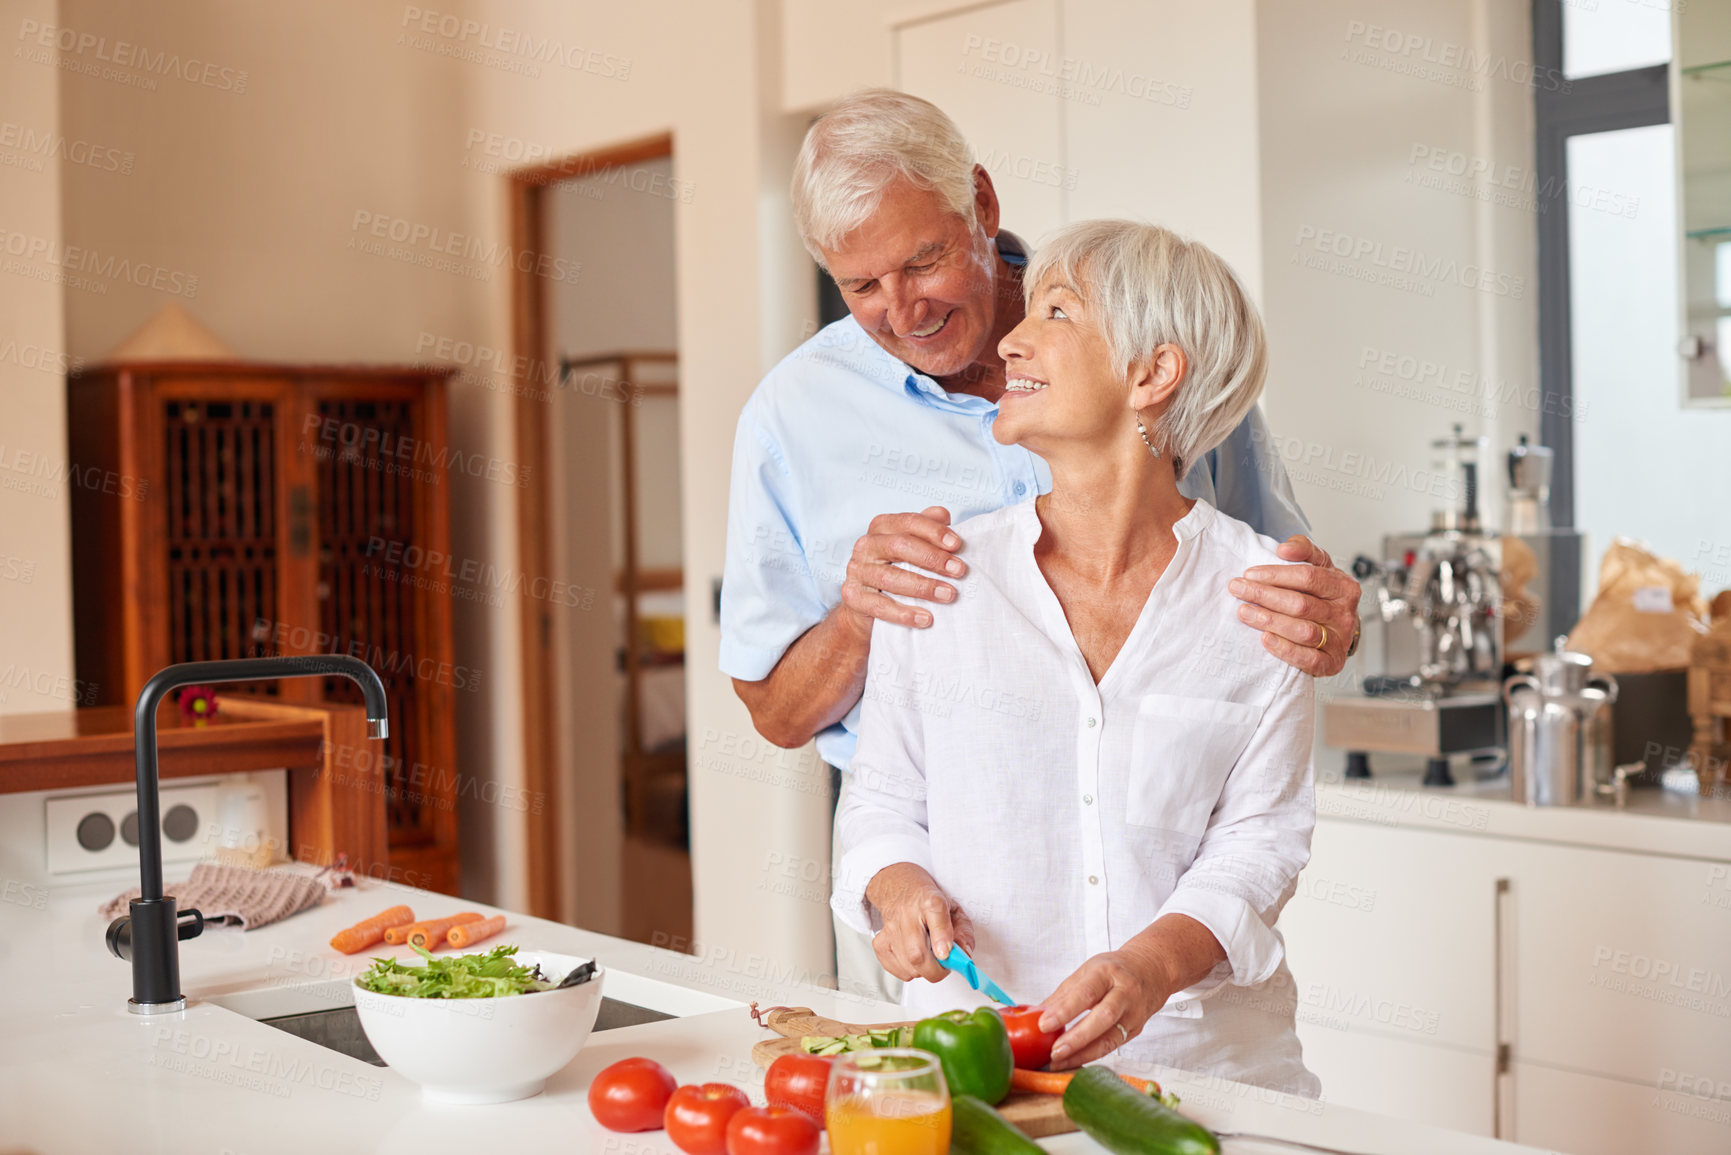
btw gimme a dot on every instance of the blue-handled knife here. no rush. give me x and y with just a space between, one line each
959 962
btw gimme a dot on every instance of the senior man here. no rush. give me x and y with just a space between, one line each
892 407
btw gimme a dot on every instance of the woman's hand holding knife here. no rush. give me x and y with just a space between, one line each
1103 1005
920 923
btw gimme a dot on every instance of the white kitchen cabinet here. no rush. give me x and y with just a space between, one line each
1620 969
1615 980
1442 1086
1391 940
1161 120
1082 109
1587 1115
993 70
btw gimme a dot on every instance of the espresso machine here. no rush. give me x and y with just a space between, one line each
1439 597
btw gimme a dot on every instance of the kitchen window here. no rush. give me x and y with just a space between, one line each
1609 114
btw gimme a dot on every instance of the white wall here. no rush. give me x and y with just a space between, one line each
708 85
1366 373
263 191
36 671
350 110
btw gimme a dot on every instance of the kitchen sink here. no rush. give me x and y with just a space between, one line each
340 1028
617 1014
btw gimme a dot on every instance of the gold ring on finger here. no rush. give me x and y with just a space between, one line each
1323 644
1123 1032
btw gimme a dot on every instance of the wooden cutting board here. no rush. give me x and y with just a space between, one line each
1036 1115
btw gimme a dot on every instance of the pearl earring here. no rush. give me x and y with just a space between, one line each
1144 433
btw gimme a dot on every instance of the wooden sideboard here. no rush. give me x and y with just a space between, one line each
241 509
336 803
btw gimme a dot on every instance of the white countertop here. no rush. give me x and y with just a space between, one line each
1653 821
80 1074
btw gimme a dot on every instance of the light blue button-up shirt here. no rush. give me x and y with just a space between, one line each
841 431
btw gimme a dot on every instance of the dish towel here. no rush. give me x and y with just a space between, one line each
235 895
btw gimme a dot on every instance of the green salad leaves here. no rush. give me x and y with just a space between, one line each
466 976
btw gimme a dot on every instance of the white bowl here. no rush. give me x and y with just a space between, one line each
489 1050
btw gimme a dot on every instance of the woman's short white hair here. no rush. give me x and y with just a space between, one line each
1147 286
865 144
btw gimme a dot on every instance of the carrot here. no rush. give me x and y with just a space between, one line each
1054 1082
473 932
370 930
1040 1082
398 935
430 935
1146 1086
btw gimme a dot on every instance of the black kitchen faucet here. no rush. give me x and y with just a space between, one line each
149 935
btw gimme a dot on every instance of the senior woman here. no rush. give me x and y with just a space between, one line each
1105 796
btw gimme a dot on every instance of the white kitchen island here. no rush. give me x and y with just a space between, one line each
80 1074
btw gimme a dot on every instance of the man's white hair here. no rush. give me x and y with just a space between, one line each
863 145
1147 286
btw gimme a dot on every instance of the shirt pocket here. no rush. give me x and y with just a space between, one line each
1181 751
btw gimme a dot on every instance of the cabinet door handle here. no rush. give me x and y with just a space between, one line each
1499 1021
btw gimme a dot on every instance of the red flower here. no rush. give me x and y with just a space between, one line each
197 704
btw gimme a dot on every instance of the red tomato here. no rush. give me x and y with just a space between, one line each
799 1081
772 1131
631 1095
1031 1046
697 1117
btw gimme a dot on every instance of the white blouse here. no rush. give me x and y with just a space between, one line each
1065 817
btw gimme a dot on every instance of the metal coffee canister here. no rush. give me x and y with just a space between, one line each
1559 729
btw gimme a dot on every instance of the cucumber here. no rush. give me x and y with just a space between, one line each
823 1045
865 1041
1126 1122
976 1129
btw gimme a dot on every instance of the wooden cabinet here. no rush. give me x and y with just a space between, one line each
229 509
1596 980
332 810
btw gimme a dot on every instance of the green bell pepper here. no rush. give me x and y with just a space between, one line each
974 1049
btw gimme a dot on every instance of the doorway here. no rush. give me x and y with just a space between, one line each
604 649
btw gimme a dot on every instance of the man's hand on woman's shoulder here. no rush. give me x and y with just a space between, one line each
822 674
924 539
1307 612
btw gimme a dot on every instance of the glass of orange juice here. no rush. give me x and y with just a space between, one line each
891 1101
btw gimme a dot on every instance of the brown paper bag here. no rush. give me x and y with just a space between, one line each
1521 606
1720 613
1646 616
